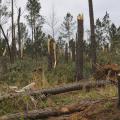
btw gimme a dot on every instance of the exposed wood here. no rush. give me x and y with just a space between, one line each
79 48
107 72
51 53
58 90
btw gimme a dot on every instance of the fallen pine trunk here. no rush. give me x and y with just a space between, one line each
58 90
52 112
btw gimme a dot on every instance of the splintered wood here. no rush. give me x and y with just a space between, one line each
39 79
107 72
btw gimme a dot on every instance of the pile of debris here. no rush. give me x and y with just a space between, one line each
107 72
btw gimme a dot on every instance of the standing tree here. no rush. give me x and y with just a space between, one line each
66 53
39 44
22 38
14 50
93 41
19 35
72 48
79 48
51 53
67 27
33 7
4 14
52 22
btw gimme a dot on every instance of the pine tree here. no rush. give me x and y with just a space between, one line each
67 27
33 7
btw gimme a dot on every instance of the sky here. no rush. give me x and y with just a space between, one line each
75 7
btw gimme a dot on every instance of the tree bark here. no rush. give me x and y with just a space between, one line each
7 42
51 54
19 34
13 36
93 41
66 53
79 49
72 48
58 90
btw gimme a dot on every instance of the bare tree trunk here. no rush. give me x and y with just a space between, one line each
7 42
72 48
66 53
19 34
79 49
93 41
13 36
51 54
0 21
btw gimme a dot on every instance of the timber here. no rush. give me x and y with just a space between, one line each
79 48
43 93
53 112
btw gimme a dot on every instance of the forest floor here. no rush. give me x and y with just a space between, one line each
106 109
99 111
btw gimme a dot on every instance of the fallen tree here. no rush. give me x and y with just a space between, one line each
58 90
53 112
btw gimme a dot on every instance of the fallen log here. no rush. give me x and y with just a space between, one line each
52 112
58 90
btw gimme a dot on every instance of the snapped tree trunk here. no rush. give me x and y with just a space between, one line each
51 54
93 41
79 49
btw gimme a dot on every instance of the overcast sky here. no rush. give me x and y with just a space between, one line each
77 6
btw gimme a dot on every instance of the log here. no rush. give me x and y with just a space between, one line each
57 90
51 112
